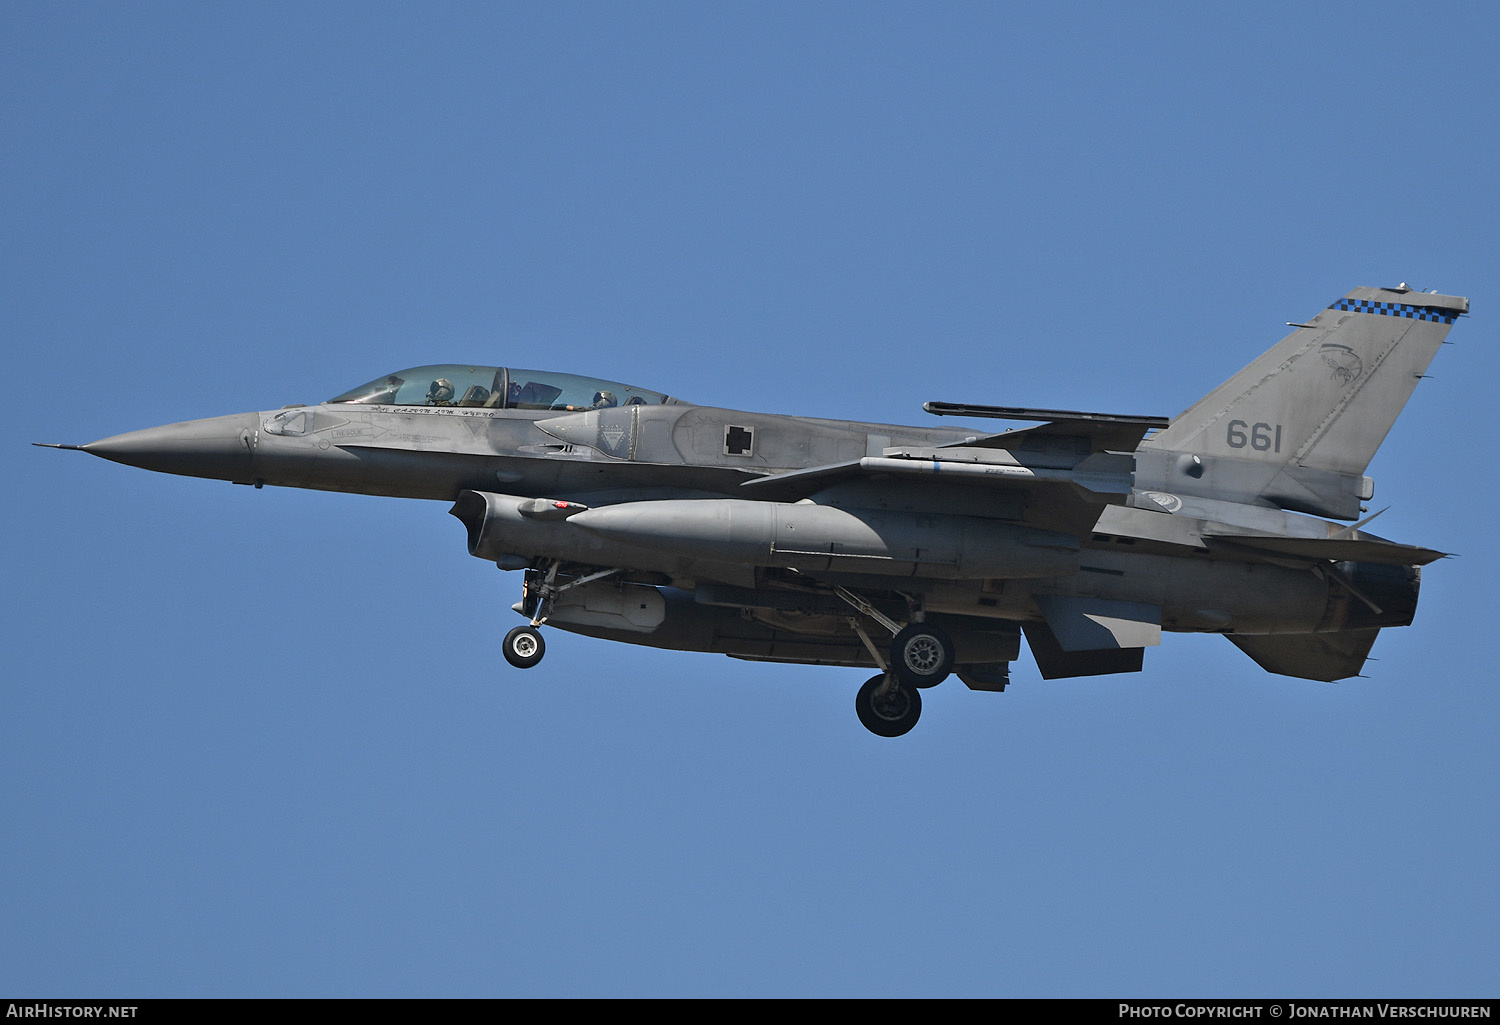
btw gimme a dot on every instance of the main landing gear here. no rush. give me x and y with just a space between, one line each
887 707
920 656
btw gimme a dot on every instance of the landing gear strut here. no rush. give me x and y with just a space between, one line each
523 646
887 707
921 655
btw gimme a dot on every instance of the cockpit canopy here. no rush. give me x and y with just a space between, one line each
452 384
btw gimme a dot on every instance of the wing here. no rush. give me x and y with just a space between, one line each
1063 473
1103 432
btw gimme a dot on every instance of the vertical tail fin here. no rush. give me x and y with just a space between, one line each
1299 425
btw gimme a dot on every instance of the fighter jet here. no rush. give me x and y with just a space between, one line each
916 552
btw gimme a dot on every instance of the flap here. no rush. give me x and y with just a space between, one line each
1057 664
1096 624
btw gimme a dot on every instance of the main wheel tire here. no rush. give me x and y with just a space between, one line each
921 655
892 716
523 647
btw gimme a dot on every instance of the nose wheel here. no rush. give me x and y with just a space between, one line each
523 647
887 707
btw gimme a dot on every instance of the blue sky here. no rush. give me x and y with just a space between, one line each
261 743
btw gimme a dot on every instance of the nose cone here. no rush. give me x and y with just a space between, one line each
220 447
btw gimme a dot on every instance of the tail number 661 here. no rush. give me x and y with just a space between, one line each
1261 437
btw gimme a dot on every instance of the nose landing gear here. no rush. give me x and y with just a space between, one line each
523 647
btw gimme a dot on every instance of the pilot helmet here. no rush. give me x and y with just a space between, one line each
441 391
604 399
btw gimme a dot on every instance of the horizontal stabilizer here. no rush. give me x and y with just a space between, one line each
1325 657
1368 549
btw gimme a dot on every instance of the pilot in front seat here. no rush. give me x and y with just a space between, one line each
440 393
